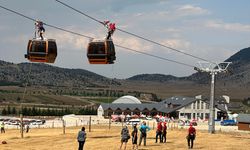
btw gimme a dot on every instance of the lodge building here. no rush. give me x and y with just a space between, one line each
177 106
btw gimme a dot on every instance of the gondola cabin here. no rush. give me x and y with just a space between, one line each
101 52
41 50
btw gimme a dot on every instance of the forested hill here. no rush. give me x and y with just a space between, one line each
238 72
47 75
154 77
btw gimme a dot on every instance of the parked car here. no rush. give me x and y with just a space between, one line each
149 118
12 122
134 121
228 123
37 122
187 122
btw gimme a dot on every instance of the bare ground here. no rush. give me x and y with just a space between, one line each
101 138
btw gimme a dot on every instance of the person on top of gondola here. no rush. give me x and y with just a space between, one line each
111 28
40 28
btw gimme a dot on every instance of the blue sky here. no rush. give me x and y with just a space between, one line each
211 29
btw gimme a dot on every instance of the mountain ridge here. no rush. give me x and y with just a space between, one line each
47 75
238 72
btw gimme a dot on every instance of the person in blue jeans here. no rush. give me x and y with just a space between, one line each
81 138
143 129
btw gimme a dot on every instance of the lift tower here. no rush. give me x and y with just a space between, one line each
213 69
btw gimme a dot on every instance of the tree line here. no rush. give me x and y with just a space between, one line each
38 111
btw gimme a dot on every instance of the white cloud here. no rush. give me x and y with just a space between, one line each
69 41
187 10
228 26
177 43
133 43
16 40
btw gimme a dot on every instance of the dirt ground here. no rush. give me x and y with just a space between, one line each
101 138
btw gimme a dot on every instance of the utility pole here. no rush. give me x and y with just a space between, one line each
213 69
21 124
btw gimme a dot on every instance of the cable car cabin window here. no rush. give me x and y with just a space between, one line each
52 49
97 48
97 51
111 52
111 48
38 46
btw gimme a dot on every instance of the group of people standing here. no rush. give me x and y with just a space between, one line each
161 132
125 135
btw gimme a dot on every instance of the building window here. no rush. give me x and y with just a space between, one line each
202 105
181 114
194 115
198 104
201 115
207 116
188 115
207 106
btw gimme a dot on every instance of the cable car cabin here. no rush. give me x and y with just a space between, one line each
101 52
41 50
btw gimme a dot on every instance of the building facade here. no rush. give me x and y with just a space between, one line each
244 122
177 106
198 110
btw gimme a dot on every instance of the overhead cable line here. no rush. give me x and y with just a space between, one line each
135 35
159 57
52 26
72 32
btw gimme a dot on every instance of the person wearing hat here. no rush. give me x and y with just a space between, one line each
134 135
191 136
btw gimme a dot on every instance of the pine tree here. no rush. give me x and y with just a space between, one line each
34 111
13 112
4 112
8 110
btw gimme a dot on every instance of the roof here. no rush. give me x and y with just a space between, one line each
244 118
178 100
127 100
217 105
141 107
235 105
164 106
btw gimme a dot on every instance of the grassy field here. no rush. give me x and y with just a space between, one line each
101 138
102 100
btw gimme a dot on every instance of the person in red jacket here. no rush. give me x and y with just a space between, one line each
164 132
191 136
158 132
111 28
